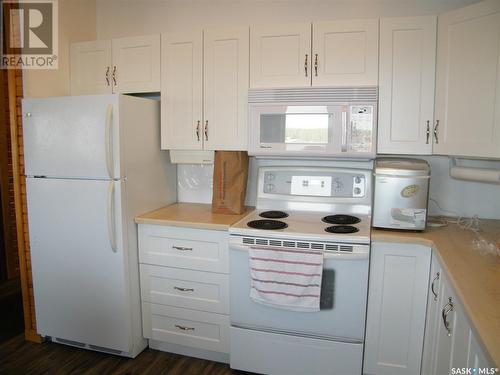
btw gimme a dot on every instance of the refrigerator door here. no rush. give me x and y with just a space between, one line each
80 280
72 137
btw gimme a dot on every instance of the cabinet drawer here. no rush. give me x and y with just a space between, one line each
177 287
186 327
198 249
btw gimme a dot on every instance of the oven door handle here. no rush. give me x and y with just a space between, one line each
326 255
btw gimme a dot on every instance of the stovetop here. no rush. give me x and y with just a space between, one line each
306 225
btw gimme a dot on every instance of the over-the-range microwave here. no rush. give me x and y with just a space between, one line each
314 122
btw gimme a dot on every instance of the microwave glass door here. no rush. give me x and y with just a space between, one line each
295 128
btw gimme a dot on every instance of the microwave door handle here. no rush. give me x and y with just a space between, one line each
344 132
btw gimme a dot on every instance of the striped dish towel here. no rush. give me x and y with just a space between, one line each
286 278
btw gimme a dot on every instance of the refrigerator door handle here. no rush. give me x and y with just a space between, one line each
109 141
111 216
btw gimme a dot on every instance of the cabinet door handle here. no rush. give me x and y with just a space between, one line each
182 248
305 64
428 132
107 75
206 130
444 314
434 280
114 75
183 328
316 64
180 289
436 131
198 131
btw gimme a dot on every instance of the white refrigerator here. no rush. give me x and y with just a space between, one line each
92 163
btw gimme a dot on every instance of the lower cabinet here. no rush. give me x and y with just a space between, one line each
450 342
185 290
397 300
415 322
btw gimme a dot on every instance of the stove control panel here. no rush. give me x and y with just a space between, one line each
314 184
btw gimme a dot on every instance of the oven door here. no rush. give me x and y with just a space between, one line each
342 312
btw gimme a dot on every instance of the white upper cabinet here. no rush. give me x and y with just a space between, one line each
337 53
345 53
136 64
467 81
90 66
182 95
406 85
226 89
124 65
280 56
204 90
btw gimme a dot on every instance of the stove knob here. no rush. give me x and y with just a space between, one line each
357 179
357 191
270 176
270 187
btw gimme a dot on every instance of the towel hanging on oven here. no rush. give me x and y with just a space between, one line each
286 278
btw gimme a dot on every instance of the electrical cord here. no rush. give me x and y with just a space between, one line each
473 224
466 223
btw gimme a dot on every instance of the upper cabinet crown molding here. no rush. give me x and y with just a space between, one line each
468 81
123 65
406 85
336 53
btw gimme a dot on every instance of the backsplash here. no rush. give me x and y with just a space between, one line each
458 198
194 183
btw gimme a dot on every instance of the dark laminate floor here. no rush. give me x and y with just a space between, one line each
20 357
11 309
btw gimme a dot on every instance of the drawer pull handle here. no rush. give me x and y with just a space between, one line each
432 286
182 328
182 248
183 289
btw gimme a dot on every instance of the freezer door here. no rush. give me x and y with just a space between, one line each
80 282
72 137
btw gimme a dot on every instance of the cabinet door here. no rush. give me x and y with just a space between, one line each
477 357
226 89
182 85
136 64
467 81
444 335
433 315
280 56
406 85
399 278
91 67
345 53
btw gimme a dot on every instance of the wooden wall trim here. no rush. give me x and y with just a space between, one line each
21 224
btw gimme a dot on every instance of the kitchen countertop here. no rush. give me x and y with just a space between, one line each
475 278
190 215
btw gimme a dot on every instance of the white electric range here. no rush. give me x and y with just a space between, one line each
325 209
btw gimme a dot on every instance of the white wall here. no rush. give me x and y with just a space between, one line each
77 23
116 18
458 198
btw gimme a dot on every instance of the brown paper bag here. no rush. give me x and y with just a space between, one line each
230 182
